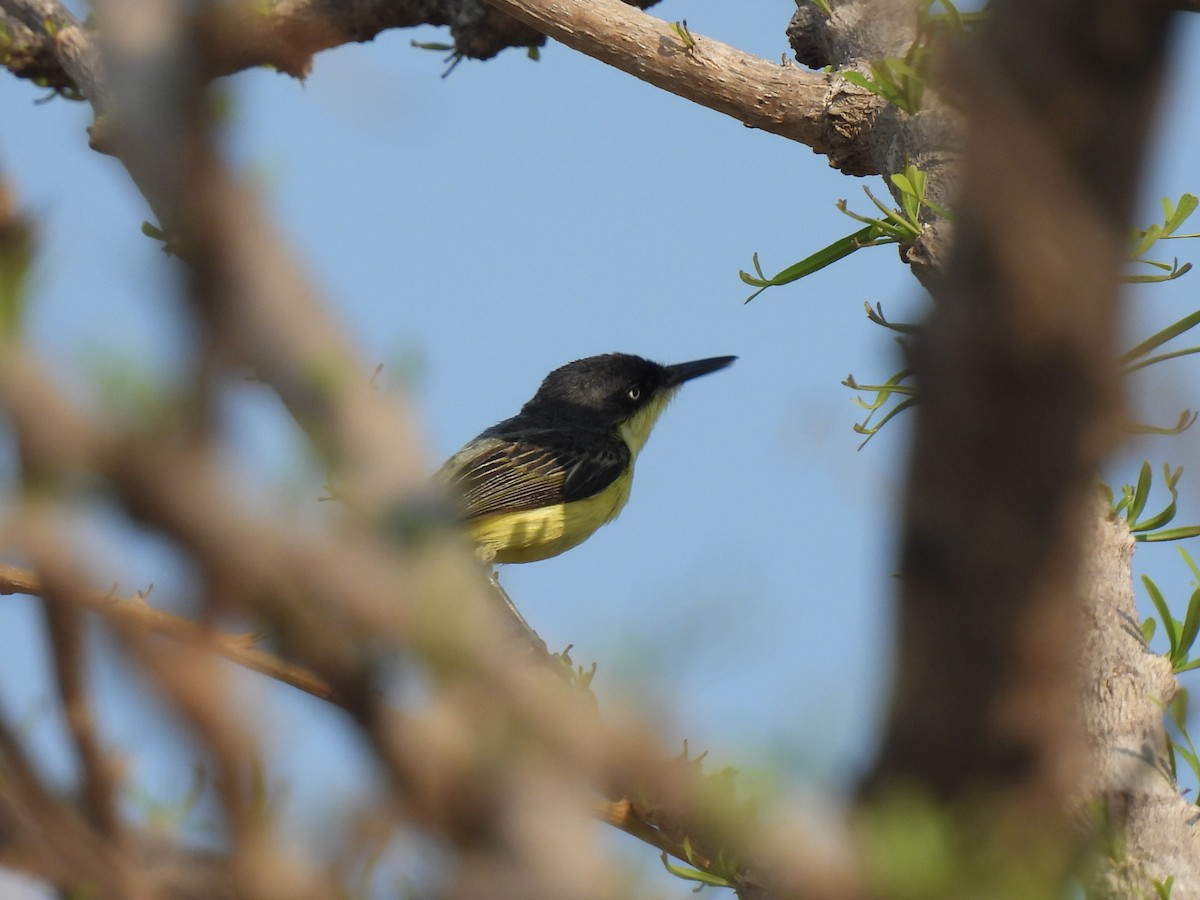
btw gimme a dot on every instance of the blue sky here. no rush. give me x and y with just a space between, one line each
476 231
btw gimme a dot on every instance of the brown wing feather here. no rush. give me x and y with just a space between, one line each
493 474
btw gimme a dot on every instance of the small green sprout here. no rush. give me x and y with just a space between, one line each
681 31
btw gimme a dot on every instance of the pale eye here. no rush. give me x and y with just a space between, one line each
635 393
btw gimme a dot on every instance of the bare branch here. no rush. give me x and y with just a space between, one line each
774 97
135 615
285 34
48 837
65 627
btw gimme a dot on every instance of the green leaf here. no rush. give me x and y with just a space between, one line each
685 36
1166 267
892 220
1171 479
894 385
1174 215
1174 270
1181 746
905 185
883 231
690 874
1126 498
1191 564
876 315
858 78
870 432
1162 357
1141 493
894 226
911 185
1170 534
1145 240
814 262
1187 418
1189 756
1191 625
1177 711
1160 604
1159 338
1148 626
1187 205
883 394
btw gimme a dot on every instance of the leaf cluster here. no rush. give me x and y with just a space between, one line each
1180 744
1133 503
898 389
1181 636
1174 215
902 80
1181 640
714 866
893 226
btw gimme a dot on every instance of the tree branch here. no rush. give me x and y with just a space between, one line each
135 615
774 97
1128 788
1018 410
64 624
285 34
1017 356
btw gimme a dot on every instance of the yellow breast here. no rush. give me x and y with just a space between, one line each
533 534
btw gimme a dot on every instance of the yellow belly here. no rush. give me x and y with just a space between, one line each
533 534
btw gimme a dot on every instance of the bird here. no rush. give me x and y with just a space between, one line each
537 484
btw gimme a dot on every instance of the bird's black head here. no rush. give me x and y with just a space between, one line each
610 390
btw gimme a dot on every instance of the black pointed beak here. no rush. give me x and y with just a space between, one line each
681 372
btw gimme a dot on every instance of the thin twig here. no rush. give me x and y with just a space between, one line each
621 815
135 613
64 625
52 840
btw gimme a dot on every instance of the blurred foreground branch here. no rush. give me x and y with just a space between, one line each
500 747
493 756
135 614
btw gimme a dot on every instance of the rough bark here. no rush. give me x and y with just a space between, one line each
1153 830
286 34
